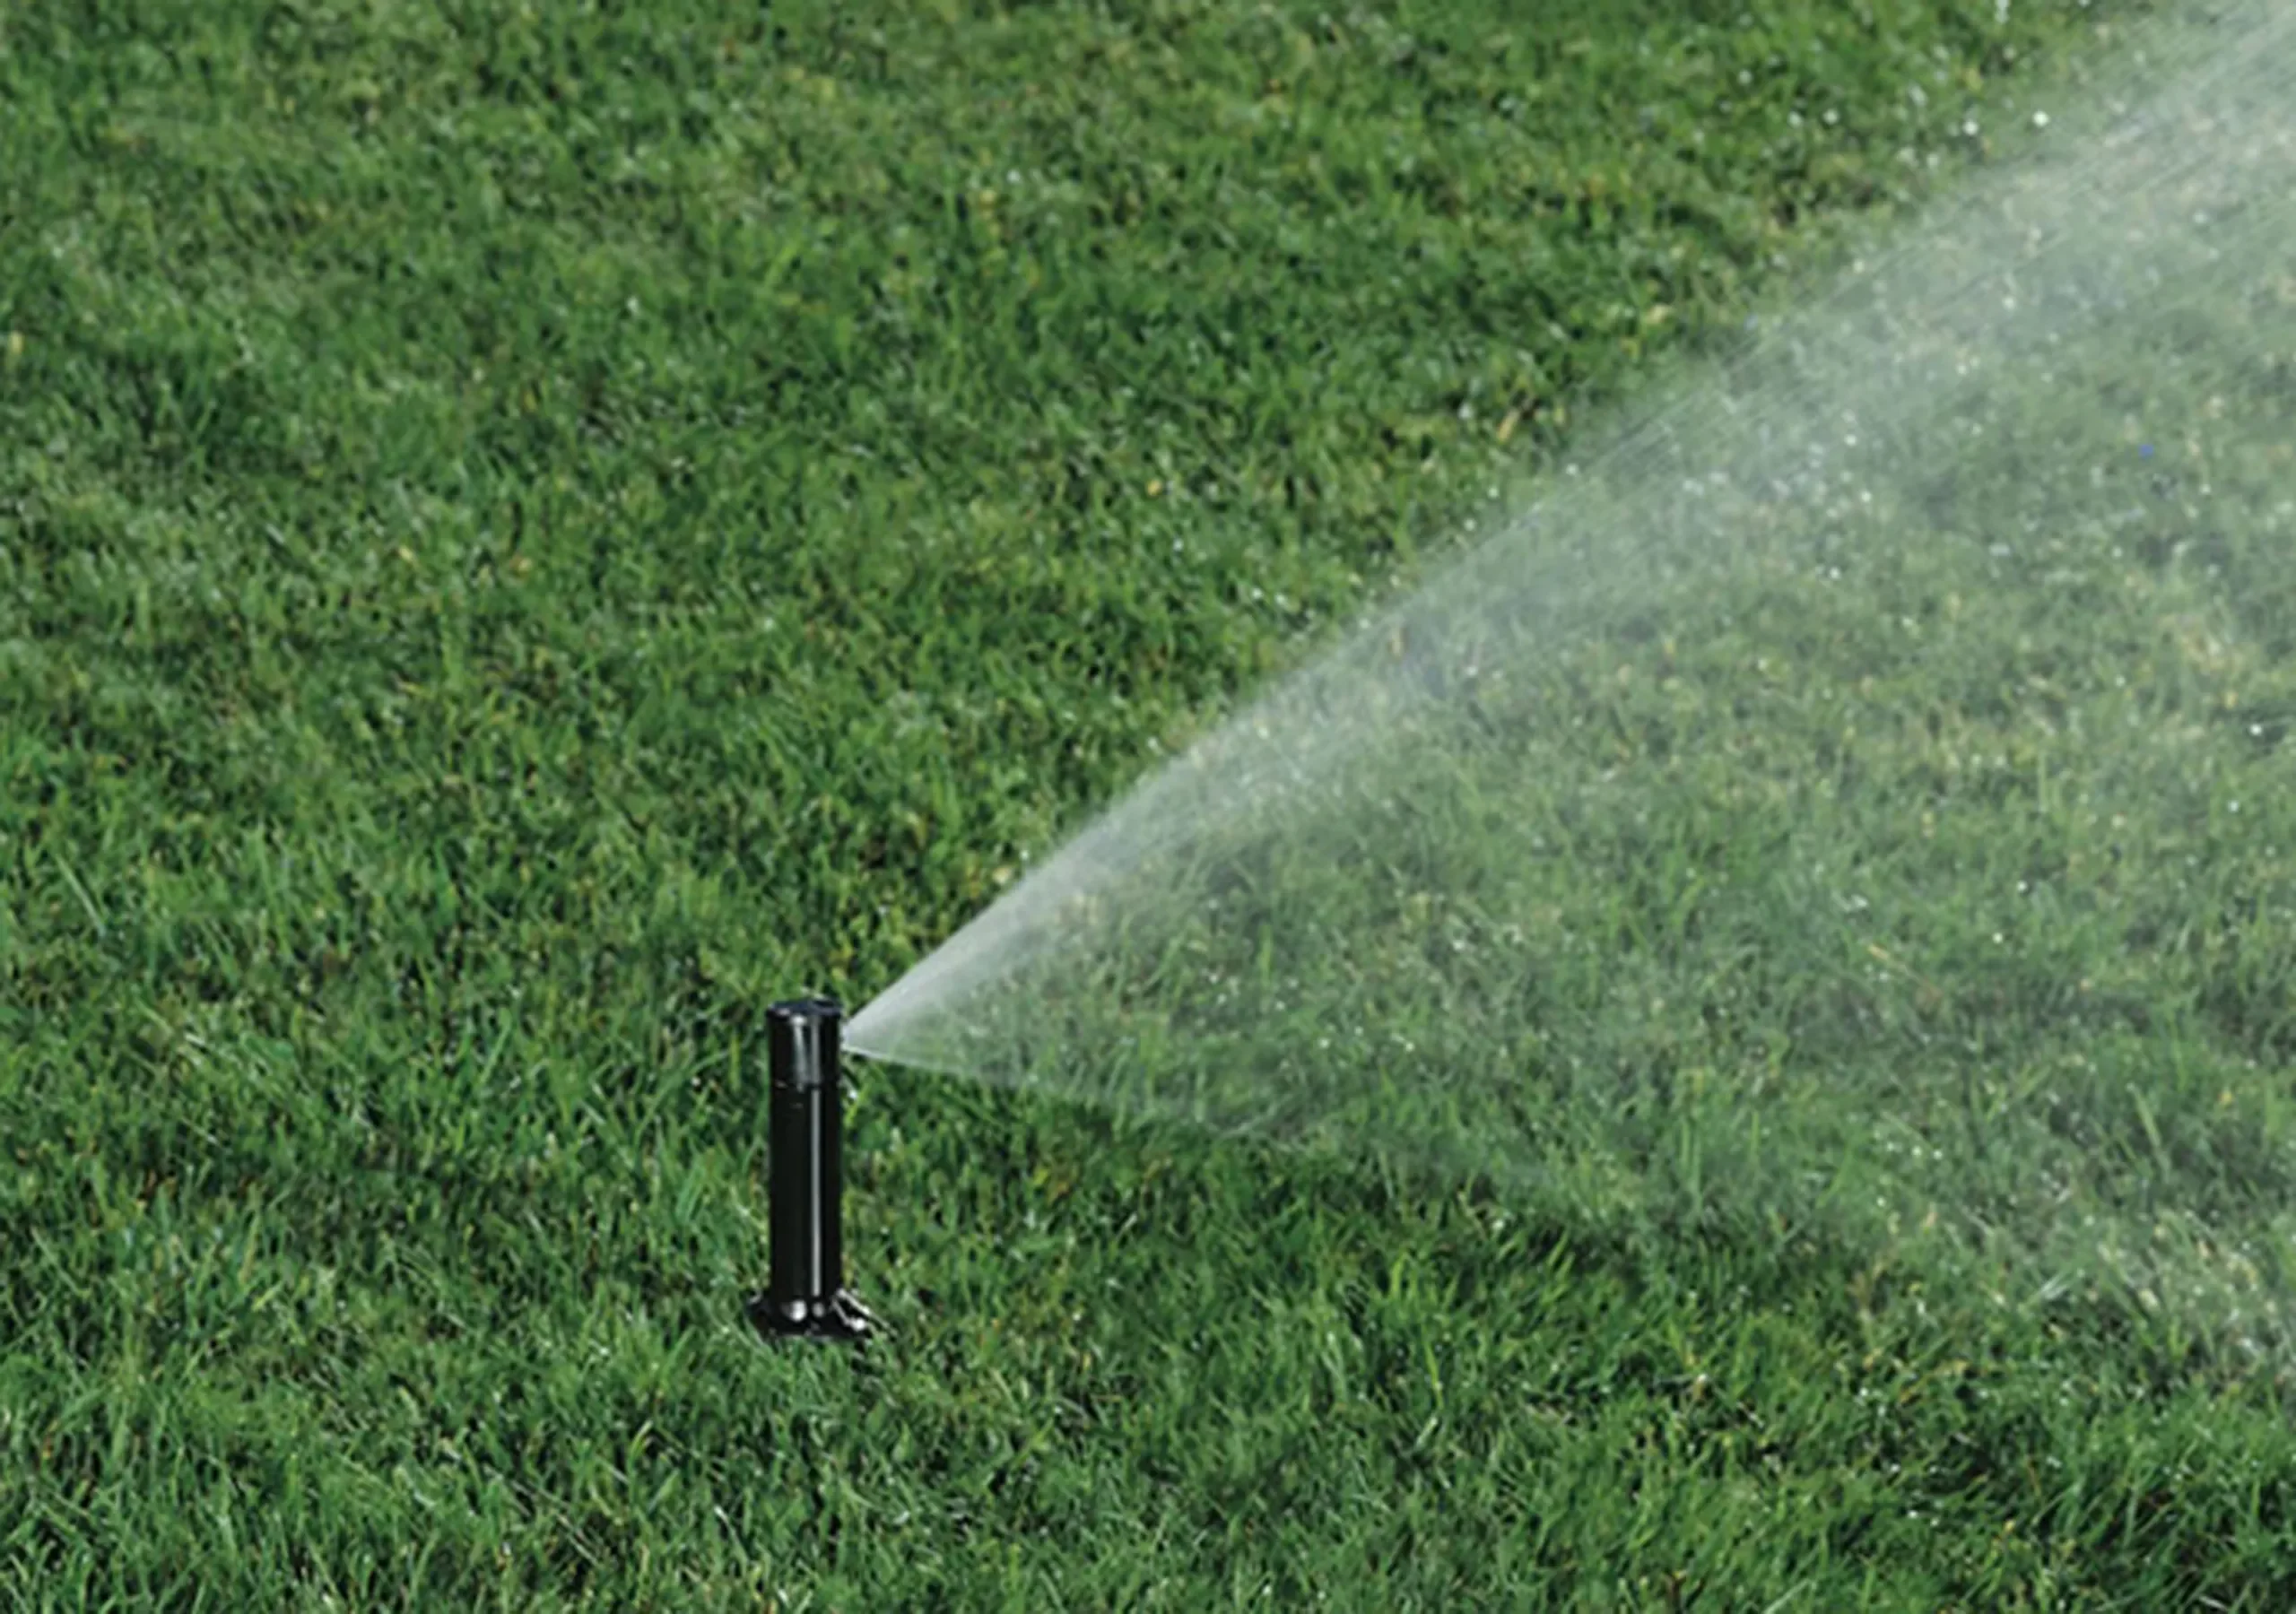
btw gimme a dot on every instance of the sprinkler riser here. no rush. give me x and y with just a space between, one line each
805 1296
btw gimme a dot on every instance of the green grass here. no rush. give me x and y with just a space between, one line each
524 534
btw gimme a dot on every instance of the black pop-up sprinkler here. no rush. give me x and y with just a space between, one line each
807 1299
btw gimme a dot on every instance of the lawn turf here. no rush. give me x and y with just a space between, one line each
524 534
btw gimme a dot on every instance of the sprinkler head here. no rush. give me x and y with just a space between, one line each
807 1299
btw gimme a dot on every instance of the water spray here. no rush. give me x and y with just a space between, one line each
807 1297
1517 879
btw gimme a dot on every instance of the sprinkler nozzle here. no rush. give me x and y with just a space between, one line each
807 1297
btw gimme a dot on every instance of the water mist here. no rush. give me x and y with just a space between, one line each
1622 863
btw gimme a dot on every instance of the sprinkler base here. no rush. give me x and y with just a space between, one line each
840 1316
